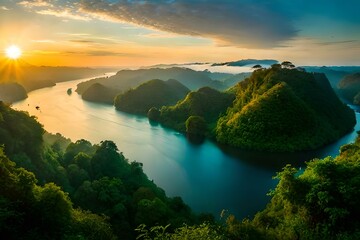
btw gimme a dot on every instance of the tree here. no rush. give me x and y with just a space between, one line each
287 64
257 67
153 114
196 126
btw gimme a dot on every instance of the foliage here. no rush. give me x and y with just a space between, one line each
29 211
204 231
195 125
207 103
96 178
282 109
320 203
155 93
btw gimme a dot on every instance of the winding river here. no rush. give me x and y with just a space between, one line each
208 177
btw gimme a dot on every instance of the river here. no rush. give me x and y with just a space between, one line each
208 177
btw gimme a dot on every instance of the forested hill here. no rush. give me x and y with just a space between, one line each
349 88
81 191
154 93
126 79
281 109
206 103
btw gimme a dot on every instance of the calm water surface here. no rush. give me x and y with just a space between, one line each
208 177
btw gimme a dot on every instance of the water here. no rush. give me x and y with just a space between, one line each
208 177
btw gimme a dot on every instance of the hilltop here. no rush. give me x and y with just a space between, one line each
281 109
206 103
154 93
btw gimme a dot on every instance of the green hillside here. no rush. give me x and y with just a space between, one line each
154 93
281 109
80 191
207 103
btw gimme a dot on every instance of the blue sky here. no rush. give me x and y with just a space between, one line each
124 32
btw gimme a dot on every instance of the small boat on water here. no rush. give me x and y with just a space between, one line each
69 91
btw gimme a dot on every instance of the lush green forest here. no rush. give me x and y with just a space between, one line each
349 88
52 188
154 93
281 109
284 109
55 190
206 103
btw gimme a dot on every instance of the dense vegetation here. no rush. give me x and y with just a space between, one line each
349 88
154 93
282 109
207 103
71 177
84 191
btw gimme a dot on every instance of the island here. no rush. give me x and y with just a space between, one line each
278 109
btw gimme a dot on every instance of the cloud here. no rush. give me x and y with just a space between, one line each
338 42
241 23
102 53
81 41
4 8
64 14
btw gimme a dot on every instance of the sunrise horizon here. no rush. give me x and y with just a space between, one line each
80 34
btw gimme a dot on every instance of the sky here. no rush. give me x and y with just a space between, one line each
139 33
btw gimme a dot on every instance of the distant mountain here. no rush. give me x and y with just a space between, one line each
124 80
206 103
154 93
232 80
333 73
99 93
34 77
284 110
247 62
349 88
12 92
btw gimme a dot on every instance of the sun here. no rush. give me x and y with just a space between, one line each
13 52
